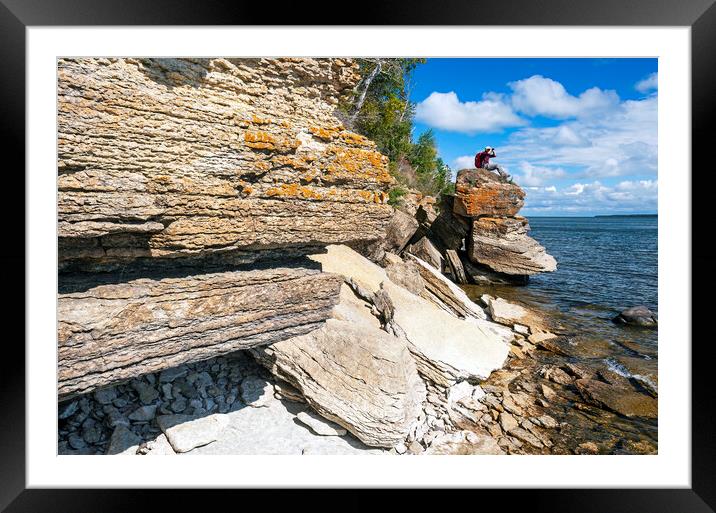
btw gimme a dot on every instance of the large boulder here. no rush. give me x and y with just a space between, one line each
446 348
503 245
479 192
353 373
637 316
426 251
398 233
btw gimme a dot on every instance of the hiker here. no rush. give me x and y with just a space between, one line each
482 160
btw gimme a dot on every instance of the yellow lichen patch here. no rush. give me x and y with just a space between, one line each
260 121
260 140
353 138
358 163
323 133
295 162
309 176
293 190
245 187
263 165
366 195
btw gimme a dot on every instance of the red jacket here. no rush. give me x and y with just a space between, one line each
482 158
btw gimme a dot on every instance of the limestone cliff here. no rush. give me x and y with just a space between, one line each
173 157
189 193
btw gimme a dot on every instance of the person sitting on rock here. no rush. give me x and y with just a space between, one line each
482 160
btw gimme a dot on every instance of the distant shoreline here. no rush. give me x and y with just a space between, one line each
628 215
592 217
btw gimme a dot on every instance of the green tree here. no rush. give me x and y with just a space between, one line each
381 110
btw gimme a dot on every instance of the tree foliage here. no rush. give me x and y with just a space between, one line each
381 110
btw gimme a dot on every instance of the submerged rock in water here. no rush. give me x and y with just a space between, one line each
619 399
637 316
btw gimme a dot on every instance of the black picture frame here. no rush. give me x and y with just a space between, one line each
700 15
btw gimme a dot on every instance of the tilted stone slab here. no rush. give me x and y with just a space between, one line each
446 348
116 331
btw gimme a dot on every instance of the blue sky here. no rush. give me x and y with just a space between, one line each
579 135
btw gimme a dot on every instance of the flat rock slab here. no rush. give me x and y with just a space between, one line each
621 400
273 430
186 432
463 442
319 425
356 375
256 392
444 292
264 161
446 348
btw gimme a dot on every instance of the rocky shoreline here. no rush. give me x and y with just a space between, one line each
233 281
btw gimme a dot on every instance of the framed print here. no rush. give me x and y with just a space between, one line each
452 240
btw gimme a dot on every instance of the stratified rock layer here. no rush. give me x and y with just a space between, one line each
479 192
170 157
117 331
503 245
189 193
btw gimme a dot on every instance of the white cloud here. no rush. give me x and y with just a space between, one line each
538 95
534 176
591 197
445 111
621 142
464 162
650 83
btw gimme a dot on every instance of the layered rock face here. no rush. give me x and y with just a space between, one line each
497 237
189 193
479 192
172 157
117 331
502 244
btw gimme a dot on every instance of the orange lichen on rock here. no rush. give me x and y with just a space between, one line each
260 140
325 134
295 162
294 190
357 162
357 139
479 192
245 188
260 121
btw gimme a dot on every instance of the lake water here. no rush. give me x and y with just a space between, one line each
604 265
